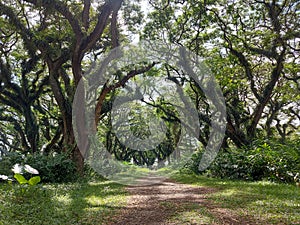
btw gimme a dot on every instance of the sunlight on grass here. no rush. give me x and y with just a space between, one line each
98 201
270 202
95 201
68 204
191 213
192 217
63 199
188 213
228 193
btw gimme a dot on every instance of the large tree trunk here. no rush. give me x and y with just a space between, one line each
69 141
82 140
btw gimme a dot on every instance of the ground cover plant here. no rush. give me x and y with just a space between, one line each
70 203
269 202
103 202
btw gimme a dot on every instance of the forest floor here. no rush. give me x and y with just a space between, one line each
170 202
184 199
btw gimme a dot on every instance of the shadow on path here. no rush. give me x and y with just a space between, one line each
169 203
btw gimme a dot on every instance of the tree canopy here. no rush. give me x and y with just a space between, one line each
46 47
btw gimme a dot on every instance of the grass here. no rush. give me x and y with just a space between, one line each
189 213
266 201
74 203
95 202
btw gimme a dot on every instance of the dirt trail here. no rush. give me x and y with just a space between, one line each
161 203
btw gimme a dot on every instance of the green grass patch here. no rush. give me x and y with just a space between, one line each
270 202
74 203
188 213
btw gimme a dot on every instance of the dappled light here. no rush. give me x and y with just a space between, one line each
149 112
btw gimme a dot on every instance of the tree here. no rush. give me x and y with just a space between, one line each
48 46
61 34
251 47
64 35
23 87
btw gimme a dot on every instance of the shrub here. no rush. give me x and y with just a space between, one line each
8 161
272 161
53 168
193 164
91 175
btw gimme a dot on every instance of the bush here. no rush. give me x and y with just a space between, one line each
193 164
91 175
8 161
270 161
52 168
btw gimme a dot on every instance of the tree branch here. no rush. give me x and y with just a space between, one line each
63 10
86 14
107 8
122 82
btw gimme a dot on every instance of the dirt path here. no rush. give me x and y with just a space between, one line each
169 203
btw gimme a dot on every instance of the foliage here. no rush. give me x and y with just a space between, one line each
54 168
192 165
251 47
137 124
20 169
271 161
42 60
90 175
251 50
8 161
32 181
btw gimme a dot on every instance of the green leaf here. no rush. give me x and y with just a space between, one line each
20 178
34 180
